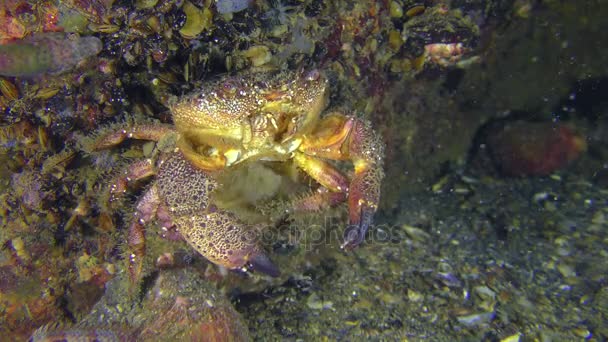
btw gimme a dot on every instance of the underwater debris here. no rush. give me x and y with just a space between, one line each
95 11
19 134
8 90
232 6
258 55
445 55
46 53
197 20
29 187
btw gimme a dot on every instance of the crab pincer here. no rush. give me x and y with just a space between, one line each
217 234
366 152
341 137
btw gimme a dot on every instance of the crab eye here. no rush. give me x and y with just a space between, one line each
313 75
261 85
229 86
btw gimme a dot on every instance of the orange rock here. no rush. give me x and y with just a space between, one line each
533 148
190 309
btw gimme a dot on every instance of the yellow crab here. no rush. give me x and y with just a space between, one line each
259 116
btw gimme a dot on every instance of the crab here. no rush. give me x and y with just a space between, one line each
270 116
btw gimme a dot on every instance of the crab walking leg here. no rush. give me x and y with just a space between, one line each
135 171
114 136
322 171
317 201
334 185
146 210
347 138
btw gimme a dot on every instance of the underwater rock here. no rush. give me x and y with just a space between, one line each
533 148
56 333
180 306
191 310
46 53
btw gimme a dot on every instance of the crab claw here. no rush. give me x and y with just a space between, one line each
262 263
218 235
226 241
362 204
366 151
345 138
355 233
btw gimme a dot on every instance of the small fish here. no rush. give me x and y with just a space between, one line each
51 52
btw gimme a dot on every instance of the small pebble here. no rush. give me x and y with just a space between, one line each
512 338
476 319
